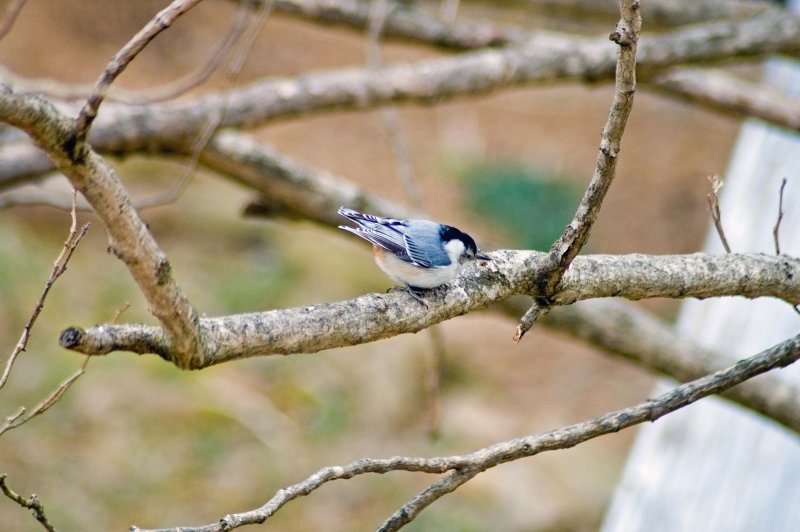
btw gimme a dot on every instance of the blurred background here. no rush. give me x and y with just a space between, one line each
137 441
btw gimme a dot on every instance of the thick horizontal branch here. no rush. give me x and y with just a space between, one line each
778 356
376 316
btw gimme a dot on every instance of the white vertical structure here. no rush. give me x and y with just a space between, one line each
715 466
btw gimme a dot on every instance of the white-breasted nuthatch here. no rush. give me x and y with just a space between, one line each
418 253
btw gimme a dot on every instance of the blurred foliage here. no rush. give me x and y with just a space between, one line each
530 206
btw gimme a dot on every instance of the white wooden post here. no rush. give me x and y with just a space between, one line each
715 466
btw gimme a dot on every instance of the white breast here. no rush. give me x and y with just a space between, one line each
406 273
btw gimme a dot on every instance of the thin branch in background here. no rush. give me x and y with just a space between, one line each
777 228
119 311
194 79
410 510
163 20
12 11
244 43
433 382
718 90
59 267
448 11
32 503
20 419
621 328
377 18
169 91
713 208
466 466
575 235
38 199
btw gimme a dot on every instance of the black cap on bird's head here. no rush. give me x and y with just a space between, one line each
449 233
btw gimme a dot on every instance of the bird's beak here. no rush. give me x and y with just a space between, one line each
480 256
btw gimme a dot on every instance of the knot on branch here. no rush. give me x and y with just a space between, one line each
71 338
623 37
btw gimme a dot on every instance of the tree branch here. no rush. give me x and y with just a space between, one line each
464 465
575 235
163 20
129 238
376 316
621 328
59 267
288 188
32 503
723 92
542 58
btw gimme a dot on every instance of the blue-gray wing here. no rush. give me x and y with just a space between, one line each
386 233
423 243
415 241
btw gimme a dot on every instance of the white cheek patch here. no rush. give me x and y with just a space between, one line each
454 249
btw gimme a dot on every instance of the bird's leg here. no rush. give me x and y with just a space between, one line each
413 292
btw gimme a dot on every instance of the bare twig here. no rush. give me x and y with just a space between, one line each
434 380
32 503
575 235
466 466
119 311
538 309
163 20
169 91
713 208
54 396
391 118
777 228
59 267
410 510
12 11
215 116
448 11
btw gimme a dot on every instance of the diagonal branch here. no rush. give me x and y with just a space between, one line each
129 237
575 235
462 466
32 503
59 267
163 20
287 187
12 11
623 329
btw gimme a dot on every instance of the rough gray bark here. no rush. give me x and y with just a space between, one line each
375 316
